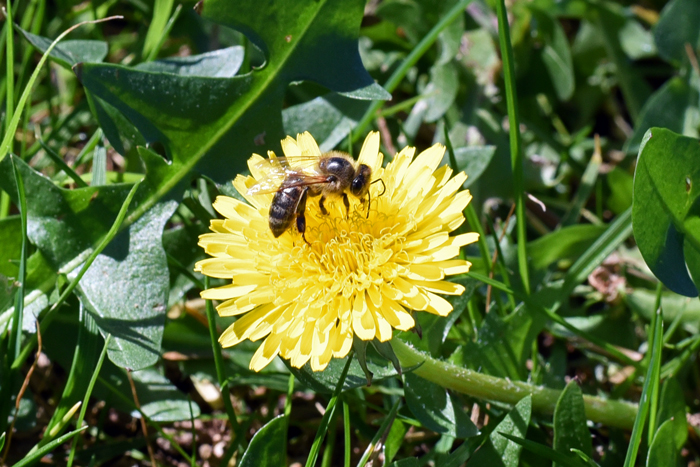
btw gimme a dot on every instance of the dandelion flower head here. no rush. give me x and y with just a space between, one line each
357 273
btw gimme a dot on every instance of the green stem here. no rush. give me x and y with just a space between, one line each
516 154
398 75
221 374
608 412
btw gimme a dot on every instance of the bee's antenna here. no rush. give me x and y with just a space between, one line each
383 185
369 202
369 194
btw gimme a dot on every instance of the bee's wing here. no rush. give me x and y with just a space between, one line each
277 169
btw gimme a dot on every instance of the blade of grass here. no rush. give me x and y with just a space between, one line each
10 72
74 283
650 381
36 13
418 51
164 35
328 415
9 93
221 374
99 166
346 434
15 341
156 30
58 160
618 231
386 424
83 364
130 402
516 153
89 146
590 175
39 453
88 393
14 122
655 383
545 451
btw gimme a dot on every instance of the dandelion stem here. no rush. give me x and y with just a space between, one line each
619 414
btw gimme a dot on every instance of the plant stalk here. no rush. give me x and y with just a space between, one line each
618 414
516 153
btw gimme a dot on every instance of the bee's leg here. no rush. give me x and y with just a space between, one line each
346 202
301 217
320 205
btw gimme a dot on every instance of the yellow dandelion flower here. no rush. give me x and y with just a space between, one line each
357 273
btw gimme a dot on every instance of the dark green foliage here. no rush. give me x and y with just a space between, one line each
666 213
557 294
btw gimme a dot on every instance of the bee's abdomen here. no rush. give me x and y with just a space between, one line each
283 209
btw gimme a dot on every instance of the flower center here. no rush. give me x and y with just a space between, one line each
346 254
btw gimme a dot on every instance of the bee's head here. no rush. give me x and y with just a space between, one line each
361 181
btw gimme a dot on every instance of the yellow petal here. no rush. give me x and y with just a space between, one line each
227 291
308 145
369 154
229 308
265 353
438 305
362 320
443 287
396 315
290 147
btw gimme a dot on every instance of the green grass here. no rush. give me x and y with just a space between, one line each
119 132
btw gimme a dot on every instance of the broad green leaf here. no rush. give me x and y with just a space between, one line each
636 41
222 63
215 124
70 52
620 183
268 446
642 302
497 450
63 224
11 241
6 294
325 381
394 439
570 429
158 397
663 452
678 25
66 224
543 451
673 106
666 209
611 20
436 409
565 243
160 400
503 345
672 407
134 258
441 91
472 160
556 54
330 118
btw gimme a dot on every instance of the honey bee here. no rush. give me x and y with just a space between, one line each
294 180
